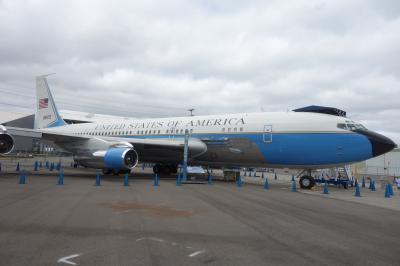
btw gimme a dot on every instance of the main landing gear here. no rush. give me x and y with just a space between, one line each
166 169
115 171
306 181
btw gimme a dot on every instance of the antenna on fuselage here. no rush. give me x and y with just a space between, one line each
191 111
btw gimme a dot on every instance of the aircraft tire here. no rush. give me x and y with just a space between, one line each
157 169
166 169
115 172
174 169
306 182
106 171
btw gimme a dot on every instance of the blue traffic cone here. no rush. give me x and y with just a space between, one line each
293 178
209 179
60 178
275 177
98 179
155 184
17 168
357 191
363 182
22 177
266 185
387 192
373 188
126 180
325 191
294 187
178 180
239 181
262 175
370 184
52 166
391 190
58 166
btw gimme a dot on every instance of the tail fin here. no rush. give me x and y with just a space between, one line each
46 111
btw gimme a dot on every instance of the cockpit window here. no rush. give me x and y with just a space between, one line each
359 126
350 126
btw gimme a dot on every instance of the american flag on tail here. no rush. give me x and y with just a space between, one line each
43 103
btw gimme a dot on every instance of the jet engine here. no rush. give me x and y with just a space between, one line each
120 158
6 143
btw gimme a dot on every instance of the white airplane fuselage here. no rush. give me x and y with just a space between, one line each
274 139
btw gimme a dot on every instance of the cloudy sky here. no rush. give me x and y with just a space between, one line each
159 58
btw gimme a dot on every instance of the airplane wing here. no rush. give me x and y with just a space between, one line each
148 149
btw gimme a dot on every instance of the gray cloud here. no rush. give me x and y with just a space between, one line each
158 58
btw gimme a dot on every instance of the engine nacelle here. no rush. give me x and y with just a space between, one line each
120 158
6 143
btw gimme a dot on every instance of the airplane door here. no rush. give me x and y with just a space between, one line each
267 136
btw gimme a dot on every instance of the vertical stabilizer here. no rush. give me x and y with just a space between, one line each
46 111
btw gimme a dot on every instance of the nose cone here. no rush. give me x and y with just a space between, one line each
380 144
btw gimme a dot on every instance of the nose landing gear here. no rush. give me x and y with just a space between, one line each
307 182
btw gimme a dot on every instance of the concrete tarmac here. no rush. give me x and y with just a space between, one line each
42 223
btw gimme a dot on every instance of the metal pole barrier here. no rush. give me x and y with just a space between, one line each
185 155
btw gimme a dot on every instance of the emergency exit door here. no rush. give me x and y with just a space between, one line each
267 136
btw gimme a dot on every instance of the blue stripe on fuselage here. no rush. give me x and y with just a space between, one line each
300 148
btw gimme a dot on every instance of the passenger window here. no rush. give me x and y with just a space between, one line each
342 126
191 130
166 131
241 129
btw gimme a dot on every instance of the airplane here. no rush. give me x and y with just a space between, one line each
297 140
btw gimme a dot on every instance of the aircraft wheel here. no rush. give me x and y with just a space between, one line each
307 182
157 169
106 171
174 169
115 172
166 169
